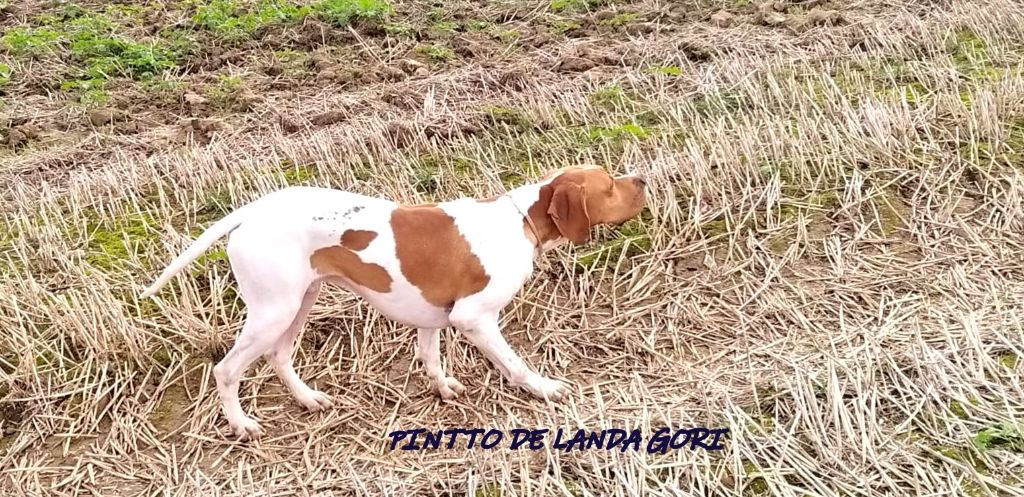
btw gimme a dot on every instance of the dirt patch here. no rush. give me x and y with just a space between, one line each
18 136
329 117
402 135
172 410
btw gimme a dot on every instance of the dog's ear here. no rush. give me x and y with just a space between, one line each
568 210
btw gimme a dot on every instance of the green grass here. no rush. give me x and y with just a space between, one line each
300 175
343 12
620 20
93 47
618 133
238 20
5 74
609 97
437 53
399 29
576 5
504 34
31 41
105 56
1004 436
227 88
726 101
509 116
630 239
564 26
666 70
234 19
112 244
489 490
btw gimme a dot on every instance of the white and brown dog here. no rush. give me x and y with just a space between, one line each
430 266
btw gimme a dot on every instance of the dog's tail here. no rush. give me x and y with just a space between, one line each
212 234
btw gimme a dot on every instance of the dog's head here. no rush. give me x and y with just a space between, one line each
575 199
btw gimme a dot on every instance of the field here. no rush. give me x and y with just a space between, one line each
831 264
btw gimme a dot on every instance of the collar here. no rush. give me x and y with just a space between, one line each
529 222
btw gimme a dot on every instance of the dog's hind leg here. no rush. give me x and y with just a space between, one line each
280 357
272 285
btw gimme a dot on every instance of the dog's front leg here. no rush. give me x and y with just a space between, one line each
485 334
428 351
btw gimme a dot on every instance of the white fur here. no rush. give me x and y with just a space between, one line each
270 243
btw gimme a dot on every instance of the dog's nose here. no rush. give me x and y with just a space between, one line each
642 183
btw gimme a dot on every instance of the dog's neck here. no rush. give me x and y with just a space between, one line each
532 202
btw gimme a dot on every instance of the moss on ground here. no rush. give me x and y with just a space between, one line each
892 213
576 6
630 239
1009 360
721 102
489 490
755 484
112 244
300 175
513 118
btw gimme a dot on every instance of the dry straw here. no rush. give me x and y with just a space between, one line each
832 267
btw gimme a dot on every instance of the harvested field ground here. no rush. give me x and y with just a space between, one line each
831 264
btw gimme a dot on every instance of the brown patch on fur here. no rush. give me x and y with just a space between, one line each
434 256
341 261
538 212
357 239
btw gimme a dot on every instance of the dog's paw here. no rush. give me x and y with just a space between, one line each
546 388
246 428
316 401
449 388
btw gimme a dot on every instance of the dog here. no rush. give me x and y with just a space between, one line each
428 266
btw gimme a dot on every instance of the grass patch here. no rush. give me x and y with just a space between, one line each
725 101
1004 436
238 20
618 133
564 27
343 12
504 34
437 54
576 5
1009 360
619 20
965 456
300 175
630 239
666 70
425 174
400 29
609 97
90 43
105 56
227 90
112 244
509 117
32 41
971 55
235 20
489 490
